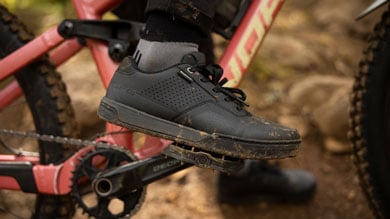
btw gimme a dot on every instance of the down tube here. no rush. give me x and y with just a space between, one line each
248 38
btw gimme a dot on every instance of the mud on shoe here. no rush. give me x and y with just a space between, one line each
188 104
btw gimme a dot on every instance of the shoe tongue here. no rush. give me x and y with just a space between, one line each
195 58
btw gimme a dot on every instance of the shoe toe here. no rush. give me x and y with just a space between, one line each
267 130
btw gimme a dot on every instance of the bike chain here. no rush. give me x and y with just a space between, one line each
79 143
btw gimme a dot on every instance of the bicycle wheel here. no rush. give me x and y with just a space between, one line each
370 119
44 108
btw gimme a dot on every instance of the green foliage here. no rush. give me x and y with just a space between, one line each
264 71
22 4
39 15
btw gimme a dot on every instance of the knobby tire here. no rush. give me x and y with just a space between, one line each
370 119
49 104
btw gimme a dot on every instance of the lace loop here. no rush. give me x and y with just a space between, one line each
214 73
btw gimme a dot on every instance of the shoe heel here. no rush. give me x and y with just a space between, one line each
107 113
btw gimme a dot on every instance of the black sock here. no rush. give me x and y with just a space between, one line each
163 27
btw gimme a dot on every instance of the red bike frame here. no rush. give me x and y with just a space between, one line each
55 179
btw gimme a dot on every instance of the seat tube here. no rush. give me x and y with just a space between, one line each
247 39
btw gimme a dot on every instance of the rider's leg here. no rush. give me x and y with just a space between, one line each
135 11
173 29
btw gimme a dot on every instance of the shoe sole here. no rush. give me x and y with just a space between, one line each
135 120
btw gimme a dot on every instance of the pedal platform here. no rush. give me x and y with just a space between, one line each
203 159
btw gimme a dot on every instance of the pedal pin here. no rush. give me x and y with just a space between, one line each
202 160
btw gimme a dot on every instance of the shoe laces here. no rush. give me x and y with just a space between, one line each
214 73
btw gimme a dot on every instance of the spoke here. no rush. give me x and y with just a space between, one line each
113 160
130 201
89 171
85 190
103 208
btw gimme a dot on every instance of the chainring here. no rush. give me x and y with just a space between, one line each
90 165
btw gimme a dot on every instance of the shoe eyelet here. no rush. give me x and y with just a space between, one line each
227 99
202 80
215 90
238 108
189 69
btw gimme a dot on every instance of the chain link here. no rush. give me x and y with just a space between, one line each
80 143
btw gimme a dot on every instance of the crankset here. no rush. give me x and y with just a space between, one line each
108 207
132 176
110 183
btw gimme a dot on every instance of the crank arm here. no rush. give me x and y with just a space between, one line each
126 178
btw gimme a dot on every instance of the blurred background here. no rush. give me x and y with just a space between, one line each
302 77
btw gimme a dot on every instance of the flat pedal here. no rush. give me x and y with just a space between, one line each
203 159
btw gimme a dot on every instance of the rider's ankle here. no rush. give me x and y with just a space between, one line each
165 41
152 56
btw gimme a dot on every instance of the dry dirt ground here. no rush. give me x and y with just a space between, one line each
309 38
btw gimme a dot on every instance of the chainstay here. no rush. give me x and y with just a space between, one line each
79 143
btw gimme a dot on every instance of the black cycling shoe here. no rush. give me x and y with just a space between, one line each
186 103
263 182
